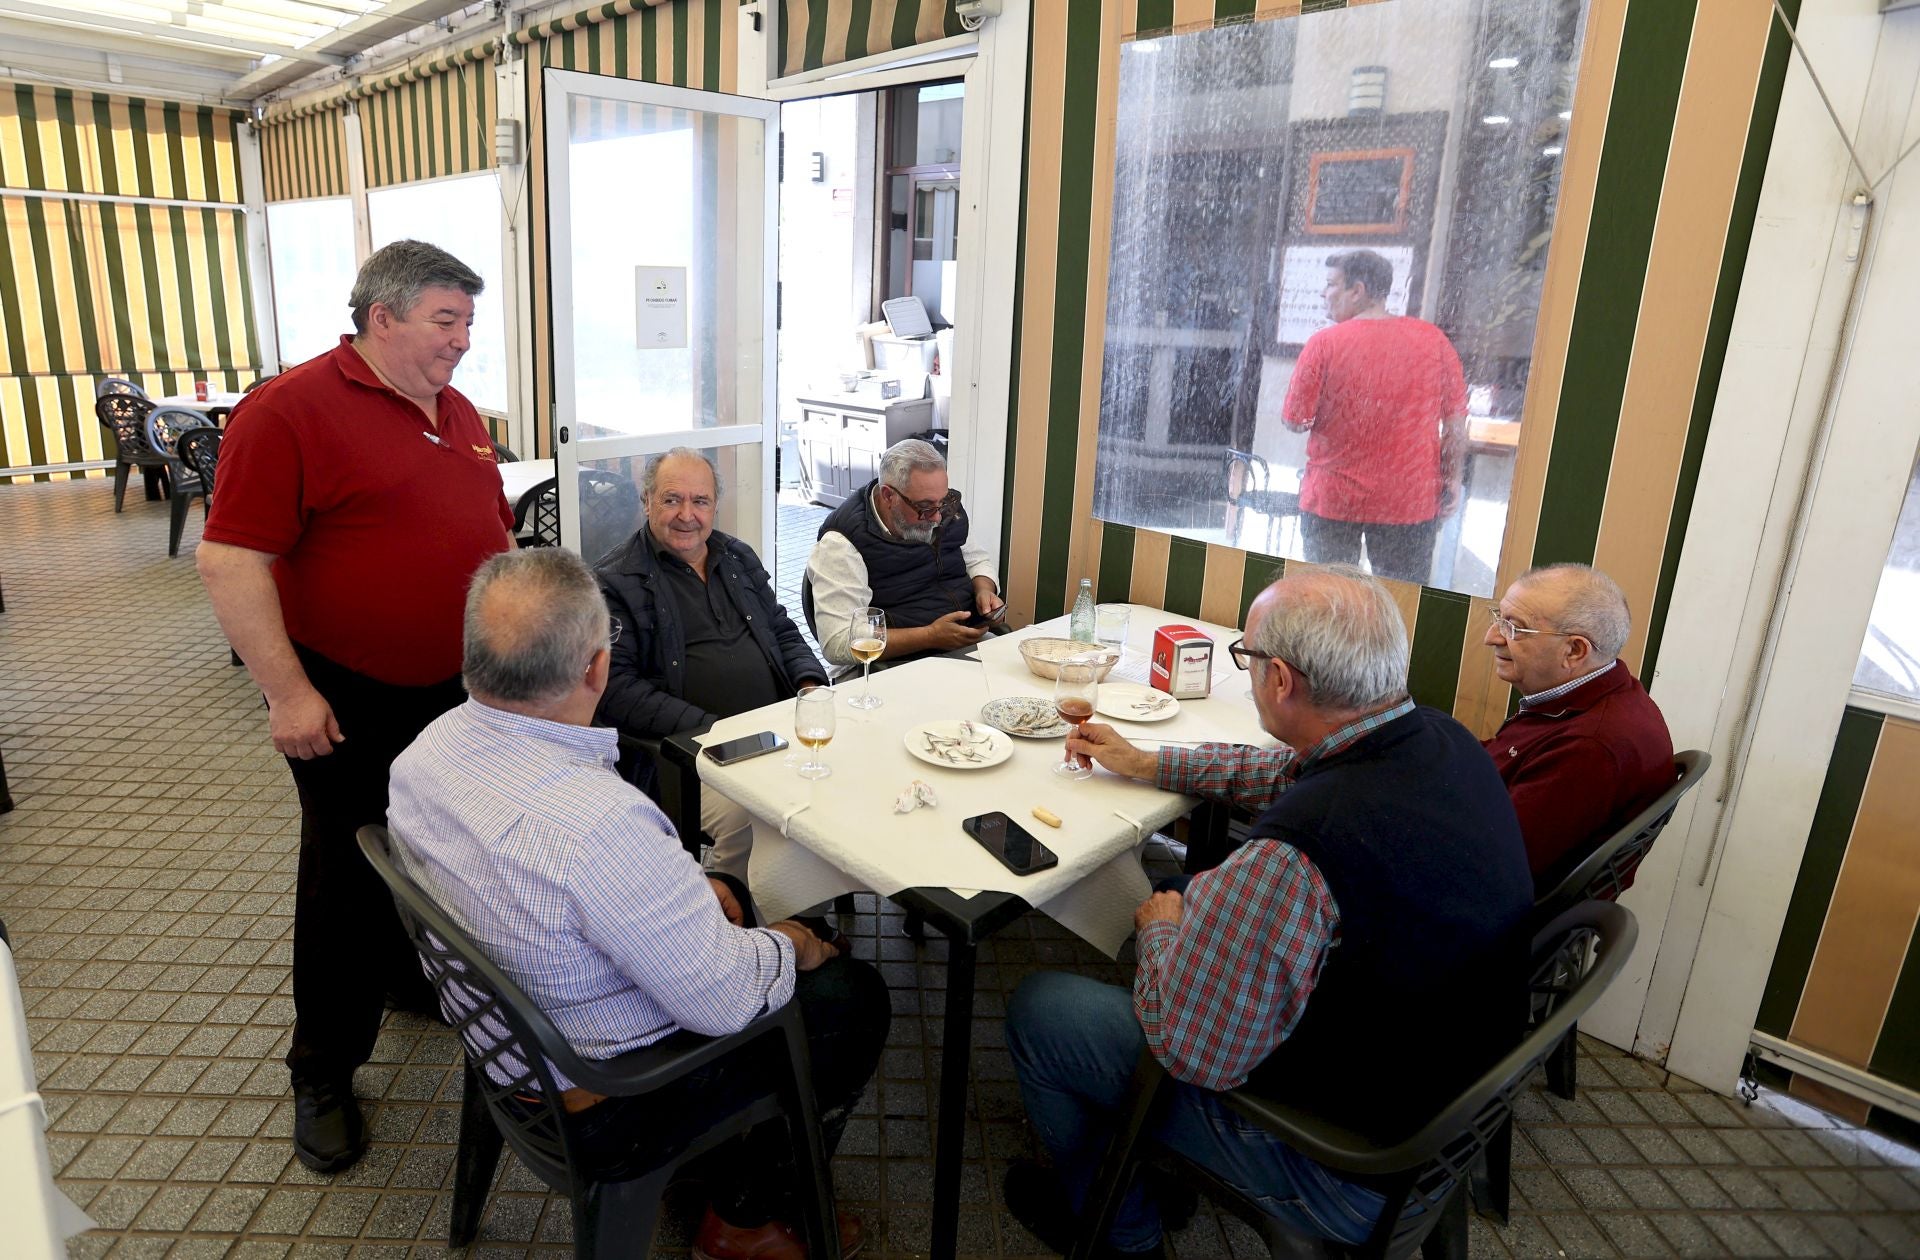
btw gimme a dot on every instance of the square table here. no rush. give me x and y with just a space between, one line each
815 839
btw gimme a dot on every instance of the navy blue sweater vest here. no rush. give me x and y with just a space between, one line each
1417 840
915 583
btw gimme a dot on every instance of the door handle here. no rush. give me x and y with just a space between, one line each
565 437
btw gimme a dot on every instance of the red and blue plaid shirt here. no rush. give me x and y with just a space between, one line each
1218 991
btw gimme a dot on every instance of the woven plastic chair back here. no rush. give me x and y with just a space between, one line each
200 452
536 518
165 425
117 385
125 416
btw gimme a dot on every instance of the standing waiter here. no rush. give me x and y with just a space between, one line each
358 494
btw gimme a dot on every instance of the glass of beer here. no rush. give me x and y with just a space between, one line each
867 640
1074 693
813 726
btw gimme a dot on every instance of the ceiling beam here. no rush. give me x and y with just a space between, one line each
396 19
71 20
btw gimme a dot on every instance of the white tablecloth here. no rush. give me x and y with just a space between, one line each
523 475
815 839
194 404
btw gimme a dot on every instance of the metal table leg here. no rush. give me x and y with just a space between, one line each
949 1144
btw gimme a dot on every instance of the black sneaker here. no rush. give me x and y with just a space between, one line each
1038 1201
327 1132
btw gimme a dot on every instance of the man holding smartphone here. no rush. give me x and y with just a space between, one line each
507 810
699 633
1396 840
900 545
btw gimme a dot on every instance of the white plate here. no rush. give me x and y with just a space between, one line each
1130 702
990 747
1027 717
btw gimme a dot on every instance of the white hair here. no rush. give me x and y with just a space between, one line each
1592 605
907 457
1340 628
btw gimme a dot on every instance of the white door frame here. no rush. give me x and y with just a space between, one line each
558 85
992 63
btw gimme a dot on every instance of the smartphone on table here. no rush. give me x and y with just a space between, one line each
747 746
1008 841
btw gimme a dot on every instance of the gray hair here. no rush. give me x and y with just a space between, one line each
905 458
652 472
534 620
1592 605
1340 628
396 275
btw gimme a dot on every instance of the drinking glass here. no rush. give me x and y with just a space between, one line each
1110 626
813 726
867 640
1074 694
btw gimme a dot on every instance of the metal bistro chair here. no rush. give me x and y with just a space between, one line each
1425 1171
1249 482
125 416
166 426
1601 876
512 1053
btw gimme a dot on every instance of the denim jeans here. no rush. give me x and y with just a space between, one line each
1075 1042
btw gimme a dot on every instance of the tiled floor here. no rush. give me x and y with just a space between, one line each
147 879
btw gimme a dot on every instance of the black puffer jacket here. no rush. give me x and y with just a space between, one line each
648 674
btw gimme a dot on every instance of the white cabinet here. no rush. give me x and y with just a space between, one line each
843 436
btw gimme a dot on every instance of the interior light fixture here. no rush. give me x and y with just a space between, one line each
1496 120
1503 63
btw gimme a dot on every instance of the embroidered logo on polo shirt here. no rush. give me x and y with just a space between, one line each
484 452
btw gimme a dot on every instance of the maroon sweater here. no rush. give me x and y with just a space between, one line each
1581 766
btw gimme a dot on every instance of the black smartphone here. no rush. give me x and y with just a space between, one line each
1007 840
725 754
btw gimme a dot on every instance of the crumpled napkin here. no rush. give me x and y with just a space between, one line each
916 794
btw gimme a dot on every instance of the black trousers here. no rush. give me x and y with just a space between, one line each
349 949
845 1007
1393 551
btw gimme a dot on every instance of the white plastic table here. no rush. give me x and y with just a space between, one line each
222 399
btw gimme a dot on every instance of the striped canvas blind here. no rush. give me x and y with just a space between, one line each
827 32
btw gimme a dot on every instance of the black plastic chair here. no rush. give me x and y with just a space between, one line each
117 385
503 454
1253 479
1425 1171
199 450
125 417
536 517
512 1052
165 427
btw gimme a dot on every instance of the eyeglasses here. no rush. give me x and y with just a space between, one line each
1510 631
928 509
1243 656
613 635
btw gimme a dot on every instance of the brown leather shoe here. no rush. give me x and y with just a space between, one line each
775 1240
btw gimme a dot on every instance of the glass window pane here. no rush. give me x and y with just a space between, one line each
1329 235
461 216
1890 658
664 201
611 508
310 248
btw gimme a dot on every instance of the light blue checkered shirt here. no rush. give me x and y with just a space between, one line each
574 883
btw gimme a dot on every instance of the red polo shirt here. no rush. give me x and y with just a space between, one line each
1373 393
1581 766
376 522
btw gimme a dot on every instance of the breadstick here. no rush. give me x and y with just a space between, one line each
1046 816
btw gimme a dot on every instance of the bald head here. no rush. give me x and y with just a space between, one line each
1338 627
534 621
1579 599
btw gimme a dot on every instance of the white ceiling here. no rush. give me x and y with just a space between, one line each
216 50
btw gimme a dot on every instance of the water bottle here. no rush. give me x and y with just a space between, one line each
1082 618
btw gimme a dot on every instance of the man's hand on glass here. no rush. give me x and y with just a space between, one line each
1108 747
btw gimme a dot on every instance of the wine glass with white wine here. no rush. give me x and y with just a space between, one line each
867 639
813 726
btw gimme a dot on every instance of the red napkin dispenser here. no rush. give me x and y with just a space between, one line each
1182 662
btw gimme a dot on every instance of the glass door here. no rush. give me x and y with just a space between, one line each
663 250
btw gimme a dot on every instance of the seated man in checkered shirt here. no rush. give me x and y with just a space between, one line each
1362 955
508 810
1585 753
